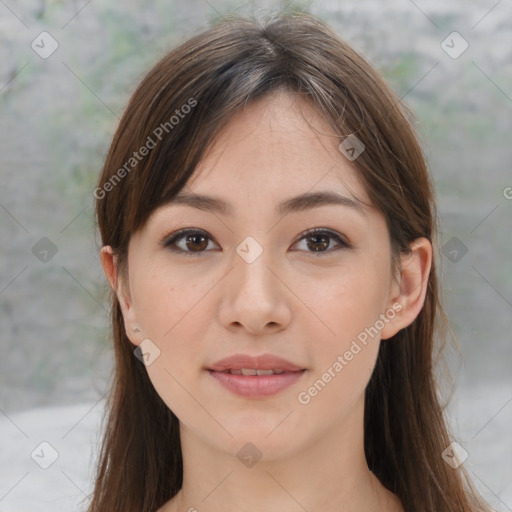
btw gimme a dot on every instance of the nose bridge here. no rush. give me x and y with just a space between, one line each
253 298
252 261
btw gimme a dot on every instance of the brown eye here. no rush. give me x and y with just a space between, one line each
188 241
191 242
321 241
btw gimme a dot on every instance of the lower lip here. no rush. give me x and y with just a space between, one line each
255 386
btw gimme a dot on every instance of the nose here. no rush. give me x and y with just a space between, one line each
254 296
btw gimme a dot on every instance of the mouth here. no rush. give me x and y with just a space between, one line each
253 376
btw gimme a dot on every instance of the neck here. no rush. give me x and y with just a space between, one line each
328 474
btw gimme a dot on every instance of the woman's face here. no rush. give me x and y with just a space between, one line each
249 280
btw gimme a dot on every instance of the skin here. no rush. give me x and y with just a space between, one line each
302 305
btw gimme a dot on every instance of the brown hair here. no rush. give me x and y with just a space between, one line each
216 73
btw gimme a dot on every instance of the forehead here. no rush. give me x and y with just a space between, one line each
278 146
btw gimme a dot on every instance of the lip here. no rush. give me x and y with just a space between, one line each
262 362
256 386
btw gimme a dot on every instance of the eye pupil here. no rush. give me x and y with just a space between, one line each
194 237
323 245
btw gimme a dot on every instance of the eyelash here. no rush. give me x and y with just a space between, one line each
170 241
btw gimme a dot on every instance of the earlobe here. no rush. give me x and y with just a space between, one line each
411 289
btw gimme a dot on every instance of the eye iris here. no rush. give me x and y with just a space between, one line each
194 238
323 245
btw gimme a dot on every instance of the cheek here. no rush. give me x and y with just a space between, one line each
167 307
346 351
349 302
163 300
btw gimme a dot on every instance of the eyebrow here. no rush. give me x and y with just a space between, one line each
298 203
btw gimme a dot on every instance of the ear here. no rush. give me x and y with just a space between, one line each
110 267
408 291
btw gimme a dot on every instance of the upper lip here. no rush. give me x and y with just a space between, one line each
262 362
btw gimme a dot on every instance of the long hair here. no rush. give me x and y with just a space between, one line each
176 113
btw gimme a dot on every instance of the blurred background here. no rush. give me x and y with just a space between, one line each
67 69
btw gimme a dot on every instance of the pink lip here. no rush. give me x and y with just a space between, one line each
262 362
255 386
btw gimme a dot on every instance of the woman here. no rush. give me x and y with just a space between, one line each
267 222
